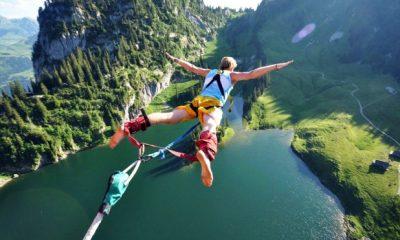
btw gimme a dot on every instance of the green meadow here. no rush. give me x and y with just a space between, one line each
313 97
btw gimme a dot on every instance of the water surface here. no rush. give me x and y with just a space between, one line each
261 191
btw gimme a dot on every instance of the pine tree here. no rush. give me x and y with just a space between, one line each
17 118
70 77
8 109
40 112
18 90
114 83
99 76
47 79
57 78
88 72
107 59
21 108
106 69
44 89
76 68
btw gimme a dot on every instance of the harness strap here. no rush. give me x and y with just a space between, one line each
196 109
162 150
134 141
217 78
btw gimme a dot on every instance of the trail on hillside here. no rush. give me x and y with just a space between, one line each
361 107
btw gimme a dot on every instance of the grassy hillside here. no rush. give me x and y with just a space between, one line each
313 97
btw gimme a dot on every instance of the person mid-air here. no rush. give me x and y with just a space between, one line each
207 107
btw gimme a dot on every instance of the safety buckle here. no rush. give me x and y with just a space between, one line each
142 158
146 158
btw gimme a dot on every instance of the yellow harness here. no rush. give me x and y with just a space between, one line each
199 106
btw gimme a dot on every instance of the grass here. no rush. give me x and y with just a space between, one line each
336 142
176 94
312 97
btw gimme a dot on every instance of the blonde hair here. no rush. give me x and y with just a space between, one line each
227 63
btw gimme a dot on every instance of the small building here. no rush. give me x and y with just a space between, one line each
395 154
382 165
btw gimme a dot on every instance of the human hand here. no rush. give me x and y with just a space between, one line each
279 66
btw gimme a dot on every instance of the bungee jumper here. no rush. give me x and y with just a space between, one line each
207 107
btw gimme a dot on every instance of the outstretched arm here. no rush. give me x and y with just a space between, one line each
256 73
188 66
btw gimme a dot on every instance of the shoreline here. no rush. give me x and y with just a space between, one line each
347 225
4 180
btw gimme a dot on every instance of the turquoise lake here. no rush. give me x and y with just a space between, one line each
261 191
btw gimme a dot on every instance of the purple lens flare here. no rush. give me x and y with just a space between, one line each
307 30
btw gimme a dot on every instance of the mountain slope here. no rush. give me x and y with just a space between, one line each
349 45
94 59
16 40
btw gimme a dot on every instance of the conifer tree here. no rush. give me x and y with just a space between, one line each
99 76
21 108
76 68
17 118
18 90
47 79
7 106
40 111
44 89
88 72
57 78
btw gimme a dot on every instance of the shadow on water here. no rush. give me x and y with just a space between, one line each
170 165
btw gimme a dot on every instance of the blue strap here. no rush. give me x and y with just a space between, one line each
161 153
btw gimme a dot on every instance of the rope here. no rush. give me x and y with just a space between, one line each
134 167
162 150
93 227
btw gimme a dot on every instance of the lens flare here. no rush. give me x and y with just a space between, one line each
307 30
336 36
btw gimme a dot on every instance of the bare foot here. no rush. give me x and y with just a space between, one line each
116 138
206 172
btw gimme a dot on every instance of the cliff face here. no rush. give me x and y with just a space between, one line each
66 25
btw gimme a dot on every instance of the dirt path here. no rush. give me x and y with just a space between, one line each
366 118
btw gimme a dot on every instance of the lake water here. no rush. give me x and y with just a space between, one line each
261 191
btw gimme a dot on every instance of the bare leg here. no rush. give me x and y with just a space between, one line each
211 122
173 117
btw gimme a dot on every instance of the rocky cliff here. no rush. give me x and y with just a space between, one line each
66 25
